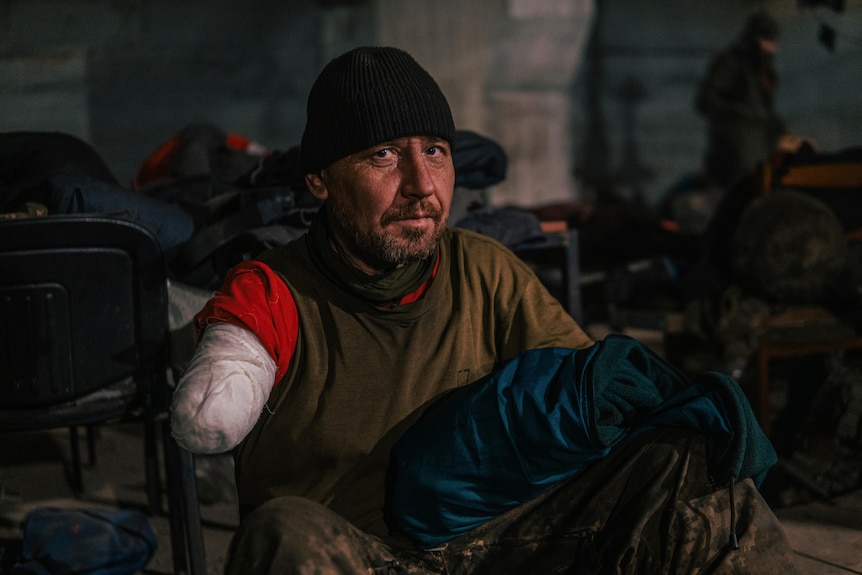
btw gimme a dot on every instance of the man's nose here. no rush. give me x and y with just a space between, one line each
417 177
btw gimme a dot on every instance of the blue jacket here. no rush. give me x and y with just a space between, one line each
501 441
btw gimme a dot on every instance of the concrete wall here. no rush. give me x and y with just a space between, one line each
125 75
507 67
642 128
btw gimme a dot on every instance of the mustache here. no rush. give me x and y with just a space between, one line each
419 209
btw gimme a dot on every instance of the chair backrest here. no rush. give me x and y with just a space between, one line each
83 304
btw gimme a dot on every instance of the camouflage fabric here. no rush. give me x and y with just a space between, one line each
646 508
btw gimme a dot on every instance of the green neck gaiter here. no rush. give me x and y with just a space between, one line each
386 287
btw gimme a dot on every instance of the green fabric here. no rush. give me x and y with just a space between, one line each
380 288
359 371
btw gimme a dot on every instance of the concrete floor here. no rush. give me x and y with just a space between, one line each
34 472
827 537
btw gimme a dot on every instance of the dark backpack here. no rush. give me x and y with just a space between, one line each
244 199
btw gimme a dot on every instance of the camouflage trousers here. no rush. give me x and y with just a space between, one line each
646 508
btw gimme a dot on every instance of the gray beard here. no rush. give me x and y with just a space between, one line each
380 248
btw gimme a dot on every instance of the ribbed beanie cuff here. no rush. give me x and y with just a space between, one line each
367 96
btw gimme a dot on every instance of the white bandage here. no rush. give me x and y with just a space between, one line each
220 396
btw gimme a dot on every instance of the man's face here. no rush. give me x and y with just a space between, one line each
388 204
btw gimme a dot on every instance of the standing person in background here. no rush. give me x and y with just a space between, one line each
737 97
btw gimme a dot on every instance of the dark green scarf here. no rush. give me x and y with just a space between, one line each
387 287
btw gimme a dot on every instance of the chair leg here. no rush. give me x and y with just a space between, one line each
183 508
175 505
151 467
77 479
571 277
91 445
194 524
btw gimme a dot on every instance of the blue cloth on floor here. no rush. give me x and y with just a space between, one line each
95 541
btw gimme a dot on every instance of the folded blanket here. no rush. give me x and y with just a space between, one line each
542 417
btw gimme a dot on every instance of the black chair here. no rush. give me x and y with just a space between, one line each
560 253
84 342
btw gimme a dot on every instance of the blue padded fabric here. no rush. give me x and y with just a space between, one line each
541 418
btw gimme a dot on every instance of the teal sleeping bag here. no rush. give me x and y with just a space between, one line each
501 441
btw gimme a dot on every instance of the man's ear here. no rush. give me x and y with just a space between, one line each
316 186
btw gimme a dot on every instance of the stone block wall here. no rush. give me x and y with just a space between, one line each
126 75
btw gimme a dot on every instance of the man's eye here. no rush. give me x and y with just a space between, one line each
438 150
384 153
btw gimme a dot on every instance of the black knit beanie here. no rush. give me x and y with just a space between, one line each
368 96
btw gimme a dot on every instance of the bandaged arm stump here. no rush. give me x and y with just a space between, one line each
221 394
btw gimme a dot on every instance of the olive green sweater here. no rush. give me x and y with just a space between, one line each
359 370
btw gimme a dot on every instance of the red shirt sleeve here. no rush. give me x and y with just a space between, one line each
254 297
